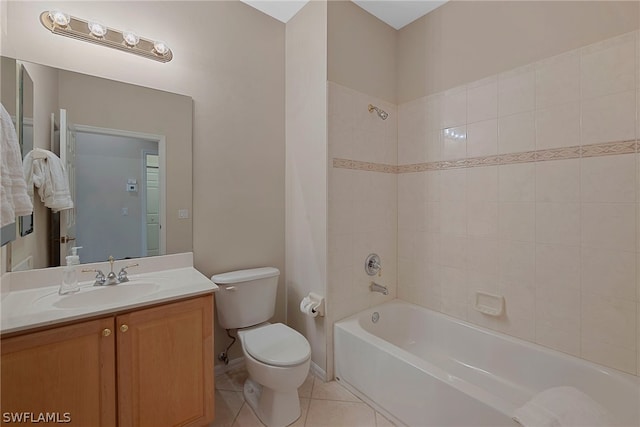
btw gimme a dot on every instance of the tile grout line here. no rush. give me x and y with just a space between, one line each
306 415
235 418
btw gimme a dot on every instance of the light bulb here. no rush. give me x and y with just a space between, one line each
97 29
160 48
59 18
130 38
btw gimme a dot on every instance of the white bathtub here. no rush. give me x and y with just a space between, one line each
427 369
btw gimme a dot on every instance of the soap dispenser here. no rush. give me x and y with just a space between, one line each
69 273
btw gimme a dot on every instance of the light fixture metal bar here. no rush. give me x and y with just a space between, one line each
78 29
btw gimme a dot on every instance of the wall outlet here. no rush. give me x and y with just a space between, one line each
183 213
125 211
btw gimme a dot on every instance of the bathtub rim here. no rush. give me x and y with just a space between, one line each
626 383
354 319
505 408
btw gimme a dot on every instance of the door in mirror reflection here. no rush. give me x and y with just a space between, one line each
117 194
152 204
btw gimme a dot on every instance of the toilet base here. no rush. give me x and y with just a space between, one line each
274 409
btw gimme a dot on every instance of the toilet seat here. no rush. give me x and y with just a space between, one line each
277 345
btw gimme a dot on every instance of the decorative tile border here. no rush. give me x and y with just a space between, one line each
610 148
575 152
364 166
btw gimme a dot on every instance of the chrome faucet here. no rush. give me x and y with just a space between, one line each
111 278
374 287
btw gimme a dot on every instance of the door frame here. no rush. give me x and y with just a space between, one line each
143 187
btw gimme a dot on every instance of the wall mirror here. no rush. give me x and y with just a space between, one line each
127 151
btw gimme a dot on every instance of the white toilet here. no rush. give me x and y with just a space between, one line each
277 357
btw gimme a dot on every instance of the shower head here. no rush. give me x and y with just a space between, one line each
381 113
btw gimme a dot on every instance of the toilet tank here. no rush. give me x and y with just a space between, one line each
246 297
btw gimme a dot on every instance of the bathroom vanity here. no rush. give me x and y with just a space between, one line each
94 360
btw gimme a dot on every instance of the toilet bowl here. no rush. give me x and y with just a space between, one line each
276 356
277 360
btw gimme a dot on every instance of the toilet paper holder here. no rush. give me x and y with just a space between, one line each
313 305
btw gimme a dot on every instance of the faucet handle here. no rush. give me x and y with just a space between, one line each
100 277
122 275
372 265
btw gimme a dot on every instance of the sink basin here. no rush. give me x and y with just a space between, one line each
90 296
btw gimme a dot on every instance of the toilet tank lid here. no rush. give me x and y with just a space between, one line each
244 275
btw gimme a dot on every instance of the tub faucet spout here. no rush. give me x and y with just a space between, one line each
378 288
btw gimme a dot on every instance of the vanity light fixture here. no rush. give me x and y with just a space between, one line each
130 38
90 31
160 48
96 29
59 18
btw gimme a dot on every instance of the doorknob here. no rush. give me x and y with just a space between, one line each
66 239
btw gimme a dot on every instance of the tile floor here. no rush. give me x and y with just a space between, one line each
323 404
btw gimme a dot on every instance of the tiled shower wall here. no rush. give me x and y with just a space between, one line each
362 203
524 184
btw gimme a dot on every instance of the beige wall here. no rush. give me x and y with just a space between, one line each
361 51
306 170
463 41
230 59
8 85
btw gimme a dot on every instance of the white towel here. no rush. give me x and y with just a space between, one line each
14 199
45 170
560 407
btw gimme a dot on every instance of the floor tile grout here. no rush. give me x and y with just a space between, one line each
317 387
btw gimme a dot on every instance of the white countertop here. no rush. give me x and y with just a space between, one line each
30 300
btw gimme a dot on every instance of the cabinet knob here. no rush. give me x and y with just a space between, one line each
106 332
124 328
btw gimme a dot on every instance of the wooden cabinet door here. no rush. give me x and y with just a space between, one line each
62 372
165 365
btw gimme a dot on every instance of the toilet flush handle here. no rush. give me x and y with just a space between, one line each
230 288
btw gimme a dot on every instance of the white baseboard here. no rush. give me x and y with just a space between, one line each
318 372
